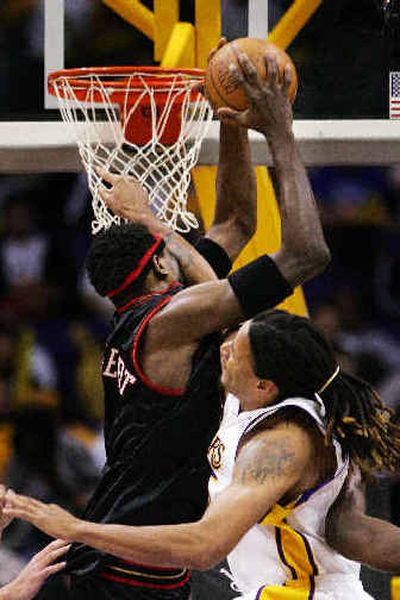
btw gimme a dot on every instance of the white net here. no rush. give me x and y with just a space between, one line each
141 124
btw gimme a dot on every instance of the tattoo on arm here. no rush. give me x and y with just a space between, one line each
269 459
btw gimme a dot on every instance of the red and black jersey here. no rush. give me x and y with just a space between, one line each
156 438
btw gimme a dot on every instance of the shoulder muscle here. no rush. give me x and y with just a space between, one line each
279 453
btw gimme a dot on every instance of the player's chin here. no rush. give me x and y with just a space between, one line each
225 378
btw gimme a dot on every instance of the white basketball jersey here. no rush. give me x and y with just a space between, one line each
287 548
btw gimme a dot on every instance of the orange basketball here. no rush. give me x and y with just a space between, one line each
223 89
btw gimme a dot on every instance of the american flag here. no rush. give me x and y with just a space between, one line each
394 96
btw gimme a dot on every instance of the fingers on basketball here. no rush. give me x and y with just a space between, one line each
287 80
229 114
249 71
221 42
272 68
243 64
249 79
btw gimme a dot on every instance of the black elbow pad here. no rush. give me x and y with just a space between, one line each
215 255
259 286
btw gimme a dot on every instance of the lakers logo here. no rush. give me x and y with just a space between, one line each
215 453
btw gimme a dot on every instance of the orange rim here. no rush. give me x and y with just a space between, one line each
126 90
155 77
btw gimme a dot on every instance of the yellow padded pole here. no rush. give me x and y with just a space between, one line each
135 13
292 22
180 51
267 239
204 178
6 444
208 28
395 588
282 35
166 15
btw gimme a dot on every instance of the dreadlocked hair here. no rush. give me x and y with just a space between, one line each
115 252
292 352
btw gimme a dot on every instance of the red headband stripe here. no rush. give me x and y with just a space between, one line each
139 269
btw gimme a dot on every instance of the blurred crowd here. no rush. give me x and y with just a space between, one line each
53 325
52 328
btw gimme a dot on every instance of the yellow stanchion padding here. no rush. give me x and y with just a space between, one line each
135 13
293 22
166 15
296 303
395 588
267 239
208 28
6 434
180 51
204 178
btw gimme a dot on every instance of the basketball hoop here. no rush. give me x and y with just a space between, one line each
146 122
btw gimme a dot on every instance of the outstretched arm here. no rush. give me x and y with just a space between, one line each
33 576
267 467
357 536
4 520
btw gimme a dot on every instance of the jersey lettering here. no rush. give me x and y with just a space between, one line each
116 369
110 370
215 453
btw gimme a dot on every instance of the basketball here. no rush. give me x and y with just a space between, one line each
223 89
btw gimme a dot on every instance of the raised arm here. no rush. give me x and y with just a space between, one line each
357 536
303 251
266 281
173 333
129 199
267 467
235 215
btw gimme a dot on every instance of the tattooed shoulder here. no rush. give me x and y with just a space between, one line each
267 456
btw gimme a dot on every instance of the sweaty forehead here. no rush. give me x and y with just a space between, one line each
242 337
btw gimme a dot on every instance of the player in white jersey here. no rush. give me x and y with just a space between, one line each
287 547
294 426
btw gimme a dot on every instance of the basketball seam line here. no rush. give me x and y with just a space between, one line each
215 87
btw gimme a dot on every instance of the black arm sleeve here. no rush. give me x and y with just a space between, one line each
259 286
215 255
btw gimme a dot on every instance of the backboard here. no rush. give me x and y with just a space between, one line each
343 54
